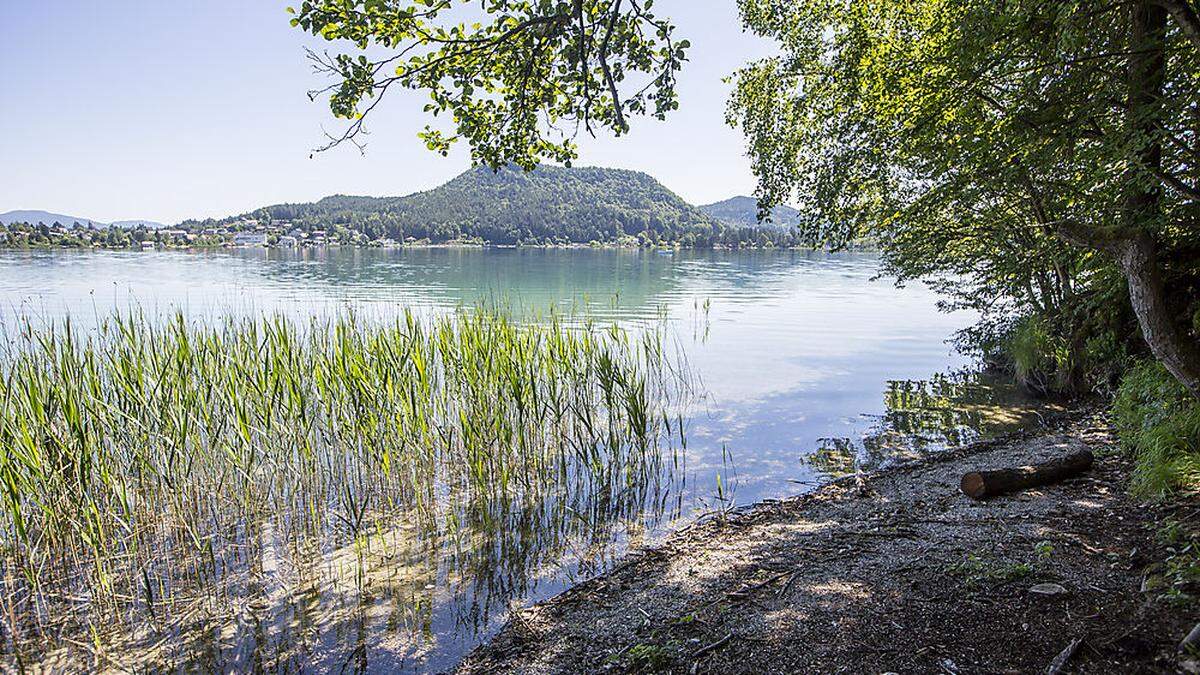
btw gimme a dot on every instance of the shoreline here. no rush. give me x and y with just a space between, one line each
911 575
464 246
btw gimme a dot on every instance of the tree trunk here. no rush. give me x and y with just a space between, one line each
1172 347
1185 17
1136 253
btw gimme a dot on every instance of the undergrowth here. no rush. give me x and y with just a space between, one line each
1159 422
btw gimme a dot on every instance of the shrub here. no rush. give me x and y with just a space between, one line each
1041 360
1159 422
1075 352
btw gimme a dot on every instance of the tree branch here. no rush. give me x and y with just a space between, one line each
608 76
1185 17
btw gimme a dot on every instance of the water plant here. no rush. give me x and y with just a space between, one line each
154 460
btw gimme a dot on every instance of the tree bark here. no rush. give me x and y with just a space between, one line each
1136 252
1180 355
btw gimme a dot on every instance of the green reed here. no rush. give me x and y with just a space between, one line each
131 452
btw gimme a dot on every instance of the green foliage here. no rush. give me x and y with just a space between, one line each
1044 551
744 211
1177 579
21 235
1079 348
1159 422
989 147
978 570
1040 361
942 114
645 658
516 78
546 206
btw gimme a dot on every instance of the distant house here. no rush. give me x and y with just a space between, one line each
250 239
287 241
148 245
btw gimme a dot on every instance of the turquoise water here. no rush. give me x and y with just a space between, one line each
808 366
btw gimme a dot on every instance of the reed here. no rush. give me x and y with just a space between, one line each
135 454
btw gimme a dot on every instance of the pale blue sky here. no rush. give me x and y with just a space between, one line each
170 109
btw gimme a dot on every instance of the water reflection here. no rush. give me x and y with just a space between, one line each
398 484
922 417
393 600
609 284
809 369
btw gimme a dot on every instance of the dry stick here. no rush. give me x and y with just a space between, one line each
983 484
1060 662
788 584
708 648
1192 641
754 587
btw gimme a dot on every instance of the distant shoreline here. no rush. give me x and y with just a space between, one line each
608 246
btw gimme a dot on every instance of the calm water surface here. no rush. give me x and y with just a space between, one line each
810 368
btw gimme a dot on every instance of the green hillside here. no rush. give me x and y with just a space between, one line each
743 211
512 206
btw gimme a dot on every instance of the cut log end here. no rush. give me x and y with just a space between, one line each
973 486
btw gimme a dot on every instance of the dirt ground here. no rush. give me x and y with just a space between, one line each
891 572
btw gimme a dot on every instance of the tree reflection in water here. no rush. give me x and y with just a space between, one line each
923 417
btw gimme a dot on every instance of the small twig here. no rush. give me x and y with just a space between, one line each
788 584
708 648
744 592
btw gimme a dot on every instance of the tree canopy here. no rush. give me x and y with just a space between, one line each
518 78
1032 155
1029 145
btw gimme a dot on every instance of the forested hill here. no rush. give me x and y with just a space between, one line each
743 211
511 206
33 217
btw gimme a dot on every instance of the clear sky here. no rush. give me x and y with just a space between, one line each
170 109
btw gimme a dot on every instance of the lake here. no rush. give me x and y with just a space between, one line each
805 367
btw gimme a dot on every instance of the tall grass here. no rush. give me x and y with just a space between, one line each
1158 421
1040 359
135 453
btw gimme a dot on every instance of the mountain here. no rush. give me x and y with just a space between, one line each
743 211
510 205
579 205
35 217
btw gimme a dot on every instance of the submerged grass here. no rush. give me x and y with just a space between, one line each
133 453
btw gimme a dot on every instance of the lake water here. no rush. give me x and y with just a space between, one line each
809 368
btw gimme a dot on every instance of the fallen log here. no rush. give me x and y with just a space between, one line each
984 484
